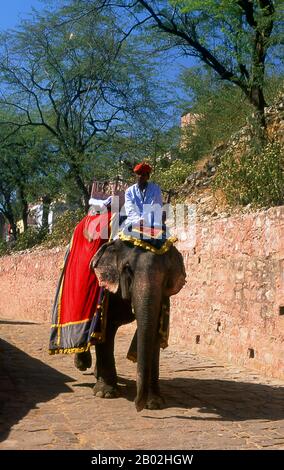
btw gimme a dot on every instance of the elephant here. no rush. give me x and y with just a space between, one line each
138 281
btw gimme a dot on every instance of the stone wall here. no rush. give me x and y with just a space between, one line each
28 283
232 306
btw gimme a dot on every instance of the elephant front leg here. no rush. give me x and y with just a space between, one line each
155 401
105 371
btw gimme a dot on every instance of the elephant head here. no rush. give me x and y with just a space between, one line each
115 265
146 278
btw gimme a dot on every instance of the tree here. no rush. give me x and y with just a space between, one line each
78 81
42 170
231 37
220 109
29 172
217 109
7 201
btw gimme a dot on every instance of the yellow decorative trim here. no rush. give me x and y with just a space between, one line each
97 335
81 349
70 323
71 242
142 244
102 311
59 311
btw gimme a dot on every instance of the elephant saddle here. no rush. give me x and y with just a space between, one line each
155 239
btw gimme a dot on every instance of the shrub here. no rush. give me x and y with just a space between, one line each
63 228
31 237
4 248
255 178
174 176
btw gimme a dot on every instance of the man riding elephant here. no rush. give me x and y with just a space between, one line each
131 281
141 195
75 323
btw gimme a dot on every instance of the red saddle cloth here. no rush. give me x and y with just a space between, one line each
76 302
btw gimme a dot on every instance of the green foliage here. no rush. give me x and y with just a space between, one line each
4 248
31 237
274 84
255 178
172 177
235 39
72 74
61 234
63 228
221 111
29 170
224 26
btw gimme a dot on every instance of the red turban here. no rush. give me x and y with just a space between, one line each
142 169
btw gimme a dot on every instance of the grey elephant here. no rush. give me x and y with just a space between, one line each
139 281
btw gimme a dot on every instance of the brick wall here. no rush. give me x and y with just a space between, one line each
28 283
232 306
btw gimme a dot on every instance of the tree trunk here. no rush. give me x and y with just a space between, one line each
46 201
14 230
258 101
25 208
259 124
25 213
263 28
80 184
9 215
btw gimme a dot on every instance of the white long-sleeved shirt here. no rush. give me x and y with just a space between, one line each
144 205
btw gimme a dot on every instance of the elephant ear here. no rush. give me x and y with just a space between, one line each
105 266
177 273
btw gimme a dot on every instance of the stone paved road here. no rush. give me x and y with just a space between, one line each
46 403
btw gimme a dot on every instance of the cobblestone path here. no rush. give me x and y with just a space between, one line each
46 403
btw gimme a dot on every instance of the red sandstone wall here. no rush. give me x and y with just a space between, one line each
28 283
230 307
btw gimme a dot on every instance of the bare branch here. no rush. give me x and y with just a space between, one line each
206 56
247 7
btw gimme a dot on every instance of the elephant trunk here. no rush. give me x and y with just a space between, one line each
147 315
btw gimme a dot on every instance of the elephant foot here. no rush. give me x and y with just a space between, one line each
154 402
83 361
103 390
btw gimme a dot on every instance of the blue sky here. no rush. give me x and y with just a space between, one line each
14 10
